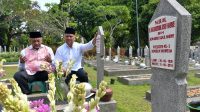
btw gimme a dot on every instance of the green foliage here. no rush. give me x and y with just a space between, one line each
18 42
118 18
85 16
144 19
115 23
193 6
11 16
10 56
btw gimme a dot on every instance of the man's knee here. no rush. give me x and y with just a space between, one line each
83 77
17 75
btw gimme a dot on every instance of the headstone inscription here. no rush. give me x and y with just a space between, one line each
169 39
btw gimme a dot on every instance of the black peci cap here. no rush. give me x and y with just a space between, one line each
70 31
35 35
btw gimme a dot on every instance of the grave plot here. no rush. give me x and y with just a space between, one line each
119 69
193 94
135 79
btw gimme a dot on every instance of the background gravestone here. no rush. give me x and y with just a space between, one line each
147 56
118 52
168 86
130 52
138 52
110 54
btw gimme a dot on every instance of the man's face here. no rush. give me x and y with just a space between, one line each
36 42
69 39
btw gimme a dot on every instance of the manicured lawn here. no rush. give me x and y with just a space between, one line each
129 98
10 71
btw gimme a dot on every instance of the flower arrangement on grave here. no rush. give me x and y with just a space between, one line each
2 71
76 97
15 101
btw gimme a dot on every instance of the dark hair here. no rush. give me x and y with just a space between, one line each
35 35
70 30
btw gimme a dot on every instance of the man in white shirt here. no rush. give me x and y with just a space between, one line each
73 51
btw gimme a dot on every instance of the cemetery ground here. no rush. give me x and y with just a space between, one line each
129 98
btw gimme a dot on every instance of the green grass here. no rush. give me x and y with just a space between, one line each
10 71
129 98
192 80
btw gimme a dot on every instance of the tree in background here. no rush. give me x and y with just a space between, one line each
115 23
11 18
193 6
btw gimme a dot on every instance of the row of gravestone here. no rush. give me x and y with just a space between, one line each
140 53
10 49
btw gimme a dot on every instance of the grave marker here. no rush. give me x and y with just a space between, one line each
4 48
138 52
147 56
130 52
110 53
100 55
118 52
169 33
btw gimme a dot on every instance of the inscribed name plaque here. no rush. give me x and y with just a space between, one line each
99 46
162 41
98 42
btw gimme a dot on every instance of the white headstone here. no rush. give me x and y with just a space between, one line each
118 52
110 53
147 56
10 50
138 52
4 48
130 52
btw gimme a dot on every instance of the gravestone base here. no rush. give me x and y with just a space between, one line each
194 89
109 106
135 79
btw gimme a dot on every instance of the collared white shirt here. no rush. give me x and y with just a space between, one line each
64 53
22 53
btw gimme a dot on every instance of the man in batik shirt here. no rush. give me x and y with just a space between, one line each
31 60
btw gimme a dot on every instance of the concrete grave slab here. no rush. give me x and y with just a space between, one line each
135 79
